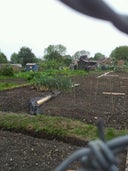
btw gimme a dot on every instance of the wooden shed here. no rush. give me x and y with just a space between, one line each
86 64
31 67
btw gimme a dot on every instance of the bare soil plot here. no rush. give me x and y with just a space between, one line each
21 152
86 102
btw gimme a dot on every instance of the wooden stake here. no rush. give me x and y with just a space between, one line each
114 93
104 74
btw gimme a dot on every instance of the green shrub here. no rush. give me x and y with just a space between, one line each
7 70
51 64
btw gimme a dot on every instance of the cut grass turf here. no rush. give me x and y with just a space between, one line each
54 126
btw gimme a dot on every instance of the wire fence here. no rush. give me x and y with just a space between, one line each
99 154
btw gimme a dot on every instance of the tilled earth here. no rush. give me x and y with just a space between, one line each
20 152
85 102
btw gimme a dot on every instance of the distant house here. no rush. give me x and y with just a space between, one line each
105 63
16 67
31 67
85 63
74 65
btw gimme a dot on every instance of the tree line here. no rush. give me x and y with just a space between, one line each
55 56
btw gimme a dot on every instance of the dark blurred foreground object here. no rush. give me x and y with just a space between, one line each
99 154
99 9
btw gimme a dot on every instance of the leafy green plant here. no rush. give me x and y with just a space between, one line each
7 70
51 82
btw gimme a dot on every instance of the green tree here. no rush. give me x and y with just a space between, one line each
80 53
50 64
98 56
67 59
7 70
120 53
53 56
3 58
15 58
26 55
54 50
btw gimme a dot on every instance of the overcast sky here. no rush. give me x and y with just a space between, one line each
39 23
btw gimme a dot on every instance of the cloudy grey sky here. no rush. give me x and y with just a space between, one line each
39 23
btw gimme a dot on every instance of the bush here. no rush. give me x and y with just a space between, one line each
7 70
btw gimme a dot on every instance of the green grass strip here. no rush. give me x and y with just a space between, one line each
9 86
57 126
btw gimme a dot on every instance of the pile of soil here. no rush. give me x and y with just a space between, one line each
86 103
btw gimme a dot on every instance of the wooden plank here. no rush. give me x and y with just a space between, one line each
113 93
104 74
110 75
75 85
125 78
41 101
48 97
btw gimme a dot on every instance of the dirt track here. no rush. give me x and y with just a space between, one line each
85 102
